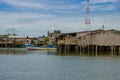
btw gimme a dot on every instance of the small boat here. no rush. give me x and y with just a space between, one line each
41 48
32 47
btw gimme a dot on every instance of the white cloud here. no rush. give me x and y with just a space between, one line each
24 3
24 15
38 24
40 4
103 7
100 1
103 1
110 21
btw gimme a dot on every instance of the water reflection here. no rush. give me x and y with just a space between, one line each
15 51
24 51
78 53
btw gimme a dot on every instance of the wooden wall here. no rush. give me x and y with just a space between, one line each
100 38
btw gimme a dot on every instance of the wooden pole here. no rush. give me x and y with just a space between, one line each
6 43
96 51
119 50
93 51
112 51
65 48
88 50
80 50
84 50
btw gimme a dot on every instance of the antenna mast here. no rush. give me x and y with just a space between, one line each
87 17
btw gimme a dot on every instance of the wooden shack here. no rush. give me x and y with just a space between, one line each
100 38
96 41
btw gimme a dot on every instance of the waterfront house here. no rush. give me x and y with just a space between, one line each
96 40
100 38
53 37
37 41
4 40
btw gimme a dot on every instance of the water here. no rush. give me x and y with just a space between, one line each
20 64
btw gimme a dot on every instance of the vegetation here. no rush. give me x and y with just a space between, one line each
46 39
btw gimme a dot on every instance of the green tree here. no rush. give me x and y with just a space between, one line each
46 39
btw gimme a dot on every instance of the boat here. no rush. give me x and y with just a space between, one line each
41 48
32 47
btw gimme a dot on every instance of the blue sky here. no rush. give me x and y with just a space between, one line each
36 17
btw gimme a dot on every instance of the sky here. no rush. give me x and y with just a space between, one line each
36 17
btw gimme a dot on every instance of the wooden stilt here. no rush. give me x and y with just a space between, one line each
112 51
88 50
80 50
77 48
83 51
93 51
65 48
119 50
100 50
96 53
